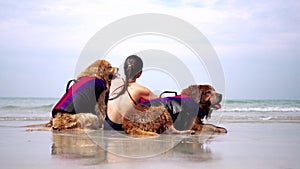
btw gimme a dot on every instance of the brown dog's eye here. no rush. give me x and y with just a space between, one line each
208 92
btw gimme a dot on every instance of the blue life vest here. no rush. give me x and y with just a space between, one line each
182 109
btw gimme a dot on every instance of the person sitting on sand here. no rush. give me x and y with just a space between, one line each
126 93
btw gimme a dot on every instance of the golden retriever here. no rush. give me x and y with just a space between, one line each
154 120
84 105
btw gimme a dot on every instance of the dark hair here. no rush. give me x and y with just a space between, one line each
132 66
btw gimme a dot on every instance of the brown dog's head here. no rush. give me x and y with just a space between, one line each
206 96
100 69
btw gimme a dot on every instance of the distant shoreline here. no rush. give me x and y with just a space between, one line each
226 100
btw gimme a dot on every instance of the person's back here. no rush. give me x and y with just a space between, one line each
126 93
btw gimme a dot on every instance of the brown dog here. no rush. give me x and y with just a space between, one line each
155 120
208 100
150 121
84 105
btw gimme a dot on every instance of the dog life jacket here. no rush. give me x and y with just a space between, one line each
82 96
182 109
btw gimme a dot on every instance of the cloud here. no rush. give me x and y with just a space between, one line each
242 32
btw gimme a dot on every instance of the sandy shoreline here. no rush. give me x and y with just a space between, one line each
247 145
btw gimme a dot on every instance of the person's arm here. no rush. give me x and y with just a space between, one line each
147 94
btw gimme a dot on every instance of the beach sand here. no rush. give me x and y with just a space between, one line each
246 145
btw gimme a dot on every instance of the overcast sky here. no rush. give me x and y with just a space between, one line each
257 42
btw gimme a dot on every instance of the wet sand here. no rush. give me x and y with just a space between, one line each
246 145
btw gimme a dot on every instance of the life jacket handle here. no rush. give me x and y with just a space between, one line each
69 82
167 92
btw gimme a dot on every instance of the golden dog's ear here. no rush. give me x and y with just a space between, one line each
194 91
102 68
95 70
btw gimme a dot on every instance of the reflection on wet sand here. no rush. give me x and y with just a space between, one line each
77 146
99 147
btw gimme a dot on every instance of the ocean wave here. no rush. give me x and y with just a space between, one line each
262 101
10 107
24 118
262 109
295 119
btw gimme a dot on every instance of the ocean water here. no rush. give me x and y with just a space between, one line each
39 109
26 109
260 111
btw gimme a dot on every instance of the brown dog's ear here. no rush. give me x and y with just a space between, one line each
194 92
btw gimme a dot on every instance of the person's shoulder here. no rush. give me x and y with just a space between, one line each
141 88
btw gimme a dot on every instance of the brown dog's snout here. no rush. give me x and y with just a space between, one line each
219 97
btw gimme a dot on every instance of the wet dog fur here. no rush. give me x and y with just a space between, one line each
154 120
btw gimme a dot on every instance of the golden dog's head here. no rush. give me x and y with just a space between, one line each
205 96
100 69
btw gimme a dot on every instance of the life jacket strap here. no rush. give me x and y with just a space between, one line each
69 82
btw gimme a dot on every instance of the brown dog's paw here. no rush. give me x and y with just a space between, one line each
220 130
